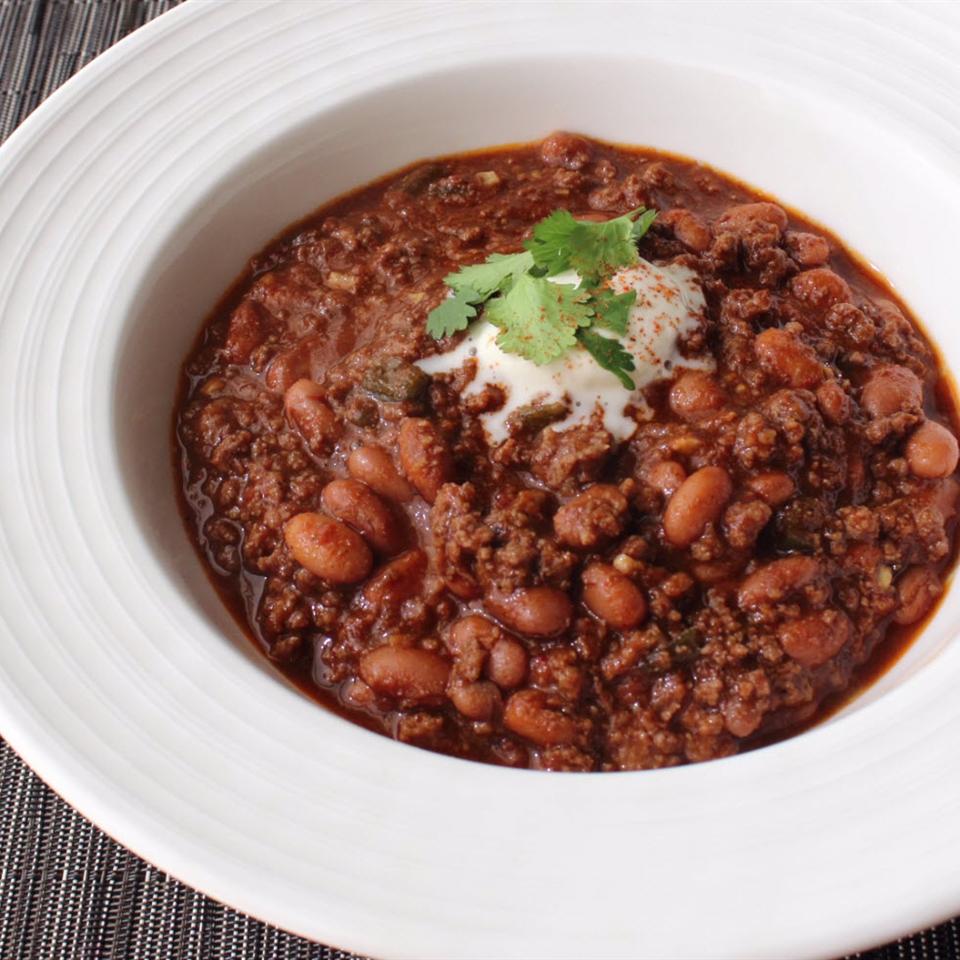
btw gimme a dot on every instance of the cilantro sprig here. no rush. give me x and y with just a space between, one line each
542 319
593 249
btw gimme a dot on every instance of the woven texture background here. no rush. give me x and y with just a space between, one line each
66 889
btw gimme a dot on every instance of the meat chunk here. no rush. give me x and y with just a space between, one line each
592 517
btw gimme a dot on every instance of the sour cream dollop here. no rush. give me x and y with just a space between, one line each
669 306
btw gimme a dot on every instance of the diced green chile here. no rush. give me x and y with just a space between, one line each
799 525
395 379
535 417
419 178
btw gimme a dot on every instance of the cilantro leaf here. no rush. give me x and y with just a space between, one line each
538 320
593 249
488 277
609 354
550 242
598 249
454 314
612 310
643 223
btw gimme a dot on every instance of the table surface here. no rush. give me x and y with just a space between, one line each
66 889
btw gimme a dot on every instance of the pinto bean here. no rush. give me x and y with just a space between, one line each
533 611
891 389
614 598
303 389
407 673
772 486
745 216
528 715
424 456
688 228
807 249
245 332
327 548
565 150
932 451
288 367
698 501
833 402
741 717
815 638
356 504
461 585
944 497
775 580
666 476
715 571
398 580
917 591
473 630
476 701
820 288
375 467
315 421
507 665
591 517
788 358
696 395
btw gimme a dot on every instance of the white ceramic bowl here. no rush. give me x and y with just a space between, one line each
127 204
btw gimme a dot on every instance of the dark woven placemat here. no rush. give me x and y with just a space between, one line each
66 889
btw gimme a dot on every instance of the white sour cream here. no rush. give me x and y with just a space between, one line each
669 306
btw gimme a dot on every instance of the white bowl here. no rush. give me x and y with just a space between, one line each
130 200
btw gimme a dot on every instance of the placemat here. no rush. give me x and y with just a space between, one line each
66 889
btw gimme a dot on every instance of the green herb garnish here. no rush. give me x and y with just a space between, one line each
454 314
610 354
539 319
487 278
612 310
594 250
